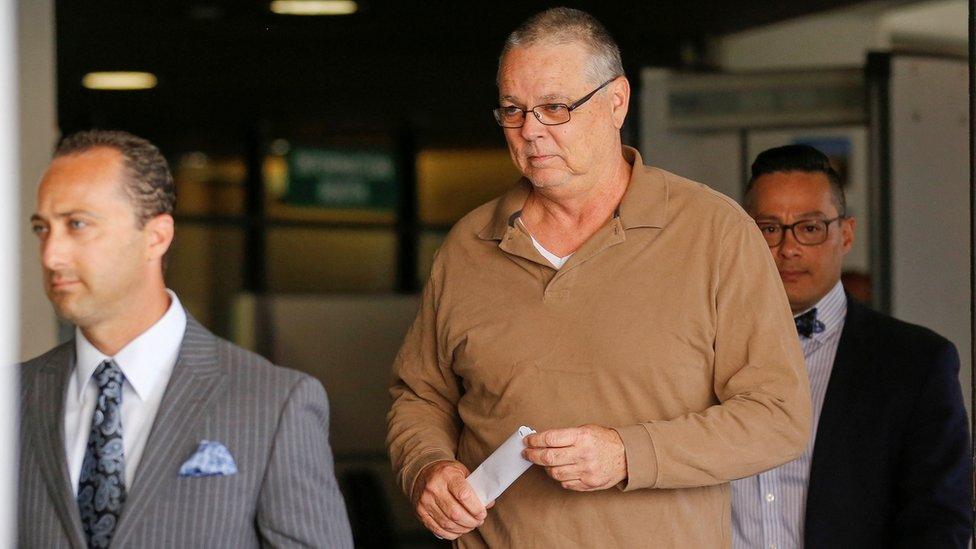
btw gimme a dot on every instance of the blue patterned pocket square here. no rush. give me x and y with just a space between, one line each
212 459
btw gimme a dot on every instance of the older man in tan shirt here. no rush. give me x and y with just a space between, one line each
633 317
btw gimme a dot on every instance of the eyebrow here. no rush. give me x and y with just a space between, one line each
70 213
769 217
548 98
554 97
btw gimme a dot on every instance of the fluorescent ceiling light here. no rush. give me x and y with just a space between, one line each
119 81
313 7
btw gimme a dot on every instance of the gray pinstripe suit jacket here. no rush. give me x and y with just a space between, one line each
274 421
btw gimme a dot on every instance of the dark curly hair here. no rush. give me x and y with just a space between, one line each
149 183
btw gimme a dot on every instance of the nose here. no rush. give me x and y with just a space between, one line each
54 248
532 128
789 247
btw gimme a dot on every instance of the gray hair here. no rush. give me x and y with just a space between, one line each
558 26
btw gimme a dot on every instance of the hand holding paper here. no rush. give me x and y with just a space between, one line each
445 502
451 505
501 468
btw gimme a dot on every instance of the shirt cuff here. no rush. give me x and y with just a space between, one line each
412 471
641 458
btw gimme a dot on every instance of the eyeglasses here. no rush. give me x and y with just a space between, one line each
809 232
550 114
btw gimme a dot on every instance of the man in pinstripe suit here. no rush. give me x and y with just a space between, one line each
146 430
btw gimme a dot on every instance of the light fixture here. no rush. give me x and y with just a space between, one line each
314 7
118 80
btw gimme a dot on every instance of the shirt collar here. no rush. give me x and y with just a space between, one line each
645 203
145 360
831 310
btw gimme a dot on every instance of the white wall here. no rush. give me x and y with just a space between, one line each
940 26
709 158
843 37
838 38
38 136
9 206
930 199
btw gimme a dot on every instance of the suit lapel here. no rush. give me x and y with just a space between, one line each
845 394
45 417
196 378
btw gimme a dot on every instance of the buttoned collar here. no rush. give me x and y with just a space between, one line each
145 360
831 310
644 204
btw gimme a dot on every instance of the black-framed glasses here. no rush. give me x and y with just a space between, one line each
550 114
809 232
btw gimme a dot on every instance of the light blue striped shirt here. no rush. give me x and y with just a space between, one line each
768 510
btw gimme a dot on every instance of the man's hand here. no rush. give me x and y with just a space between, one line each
583 458
445 502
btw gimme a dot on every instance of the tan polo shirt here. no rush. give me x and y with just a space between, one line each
670 324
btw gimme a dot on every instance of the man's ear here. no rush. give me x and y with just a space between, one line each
159 231
619 100
847 227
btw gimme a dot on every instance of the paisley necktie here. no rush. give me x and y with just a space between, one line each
101 488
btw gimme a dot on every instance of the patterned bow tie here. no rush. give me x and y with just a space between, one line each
807 323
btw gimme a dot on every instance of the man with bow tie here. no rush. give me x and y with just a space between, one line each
889 461
146 430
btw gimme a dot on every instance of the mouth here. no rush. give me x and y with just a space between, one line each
791 275
538 159
61 284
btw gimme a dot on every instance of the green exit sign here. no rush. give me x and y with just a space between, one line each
341 179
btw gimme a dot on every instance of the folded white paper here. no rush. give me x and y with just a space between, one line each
501 468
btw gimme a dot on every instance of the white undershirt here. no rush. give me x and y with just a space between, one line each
147 363
556 261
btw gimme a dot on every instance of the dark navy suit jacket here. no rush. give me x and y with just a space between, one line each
891 460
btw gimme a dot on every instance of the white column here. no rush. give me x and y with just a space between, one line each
38 136
9 273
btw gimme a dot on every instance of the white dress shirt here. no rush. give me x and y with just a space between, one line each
769 509
147 363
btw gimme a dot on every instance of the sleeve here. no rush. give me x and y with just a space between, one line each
934 484
423 425
299 504
759 379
